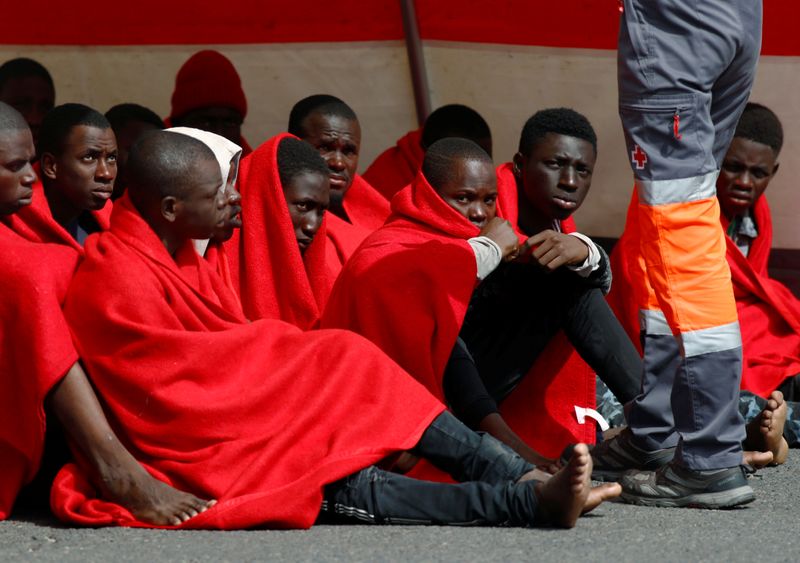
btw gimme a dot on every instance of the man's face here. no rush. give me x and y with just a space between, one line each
472 190
556 176
126 136
84 172
16 173
32 96
338 140
226 122
746 172
233 208
204 210
307 197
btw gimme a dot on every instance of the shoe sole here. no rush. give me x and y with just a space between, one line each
608 475
714 501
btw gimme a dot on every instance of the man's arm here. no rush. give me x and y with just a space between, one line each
552 250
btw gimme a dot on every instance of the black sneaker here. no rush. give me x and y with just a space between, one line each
612 458
673 485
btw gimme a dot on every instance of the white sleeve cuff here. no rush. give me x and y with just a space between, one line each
592 261
487 255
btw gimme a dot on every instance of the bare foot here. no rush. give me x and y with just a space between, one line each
149 499
535 474
569 493
765 432
757 460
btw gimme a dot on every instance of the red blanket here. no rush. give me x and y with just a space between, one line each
407 288
36 351
343 239
769 314
396 167
366 208
257 415
35 222
273 279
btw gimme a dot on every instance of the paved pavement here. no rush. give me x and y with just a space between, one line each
766 530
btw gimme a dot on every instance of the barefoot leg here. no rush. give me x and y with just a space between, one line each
120 478
569 493
765 432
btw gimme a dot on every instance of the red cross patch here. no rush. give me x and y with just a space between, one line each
638 157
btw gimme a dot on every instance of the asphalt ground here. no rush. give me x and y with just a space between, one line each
765 530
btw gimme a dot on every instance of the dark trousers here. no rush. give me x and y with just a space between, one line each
488 493
518 309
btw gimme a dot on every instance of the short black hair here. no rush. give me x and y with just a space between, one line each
161 164
22 67
122 114
561 121
455 120
297 157
60 120
437 166
760 124
324 104
11 119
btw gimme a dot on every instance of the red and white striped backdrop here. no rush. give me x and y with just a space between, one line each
505 58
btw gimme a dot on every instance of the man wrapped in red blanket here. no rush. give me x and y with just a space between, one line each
280 259
331 126
411 288
39 367
272 422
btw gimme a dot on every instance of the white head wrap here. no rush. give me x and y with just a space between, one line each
227 154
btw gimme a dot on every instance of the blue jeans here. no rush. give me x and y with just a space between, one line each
488 493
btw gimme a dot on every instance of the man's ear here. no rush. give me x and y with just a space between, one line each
775 170
170 208
519 161
48 161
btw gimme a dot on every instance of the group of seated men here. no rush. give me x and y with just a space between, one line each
269 339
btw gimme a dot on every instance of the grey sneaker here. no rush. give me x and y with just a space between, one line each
614 457
673 485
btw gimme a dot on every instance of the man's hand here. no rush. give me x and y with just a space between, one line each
502 233
552 249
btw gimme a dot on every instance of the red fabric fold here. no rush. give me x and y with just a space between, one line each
396 167
39 257
272 278
257 415
407 289
35 222
769 314
366 208
343 239
367 211
36 351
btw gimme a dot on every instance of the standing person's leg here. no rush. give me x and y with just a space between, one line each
649 440
671 60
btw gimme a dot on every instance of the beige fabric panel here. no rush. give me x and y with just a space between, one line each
372 77
505 83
